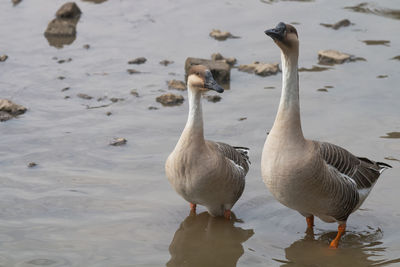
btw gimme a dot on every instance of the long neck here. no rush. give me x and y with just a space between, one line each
193 132
287 122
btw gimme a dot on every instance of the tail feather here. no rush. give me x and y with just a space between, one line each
244 151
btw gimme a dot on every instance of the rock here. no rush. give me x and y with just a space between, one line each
342 23
329 57
381 76
337 25
16 2
322 90
396 58
61 61
86 46
391 158
65 89
377 42
3 58
69 10
314 69
392 135
139 60
32 164
152 108
220 70
108 113
132 71
116 99
218 57
166 62
261 69
242 119
67 97
178 85
61 77
213 98
119 141
84 96
221 36
170 99
134 92
60 28
9 109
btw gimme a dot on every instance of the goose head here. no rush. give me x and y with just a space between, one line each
285 36
201 79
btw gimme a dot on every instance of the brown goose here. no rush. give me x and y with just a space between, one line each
315 178
203 172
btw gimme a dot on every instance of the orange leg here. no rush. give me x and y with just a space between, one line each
227 214
310 221
341 230
192 207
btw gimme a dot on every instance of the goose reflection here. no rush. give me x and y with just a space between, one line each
357 249
202 240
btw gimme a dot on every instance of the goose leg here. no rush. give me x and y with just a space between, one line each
310 221
192 208
227 214
341 230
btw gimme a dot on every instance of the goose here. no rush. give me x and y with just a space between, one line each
204 172
314 178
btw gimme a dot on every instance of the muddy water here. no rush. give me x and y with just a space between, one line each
87 203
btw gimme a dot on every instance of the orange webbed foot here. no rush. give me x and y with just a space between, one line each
192 208
341 230
227 214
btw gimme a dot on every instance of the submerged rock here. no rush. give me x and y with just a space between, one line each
16 2
170 99
139 60
69 10
32 164
329 57
314 69
84 96
86 46
337 25
377 42
132 71
166 62
221 71
213 98
118 141
218 57
221 36
62 30
3 58
396 58
178 85
134 92
9 109
261 69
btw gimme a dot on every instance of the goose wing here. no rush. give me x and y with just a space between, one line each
354 177
238 155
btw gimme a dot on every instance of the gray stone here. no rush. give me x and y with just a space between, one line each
118 141
221 71
329 57
69 10
3 58
139 60
170 99
178 85
261 69
84 96
9 109
61 28
221 36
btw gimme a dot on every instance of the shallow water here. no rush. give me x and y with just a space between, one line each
90 204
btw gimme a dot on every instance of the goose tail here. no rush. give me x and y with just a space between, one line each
244 151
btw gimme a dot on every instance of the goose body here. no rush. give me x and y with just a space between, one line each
315 178
204 172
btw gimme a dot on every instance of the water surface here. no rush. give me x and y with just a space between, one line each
87 203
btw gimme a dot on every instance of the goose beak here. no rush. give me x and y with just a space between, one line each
211 84
277 33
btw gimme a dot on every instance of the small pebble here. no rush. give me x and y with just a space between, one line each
84 96
108 113
32 164
152 108
134 92
3 58
132 71
65 89
118 141
139 60
86 46
166 62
